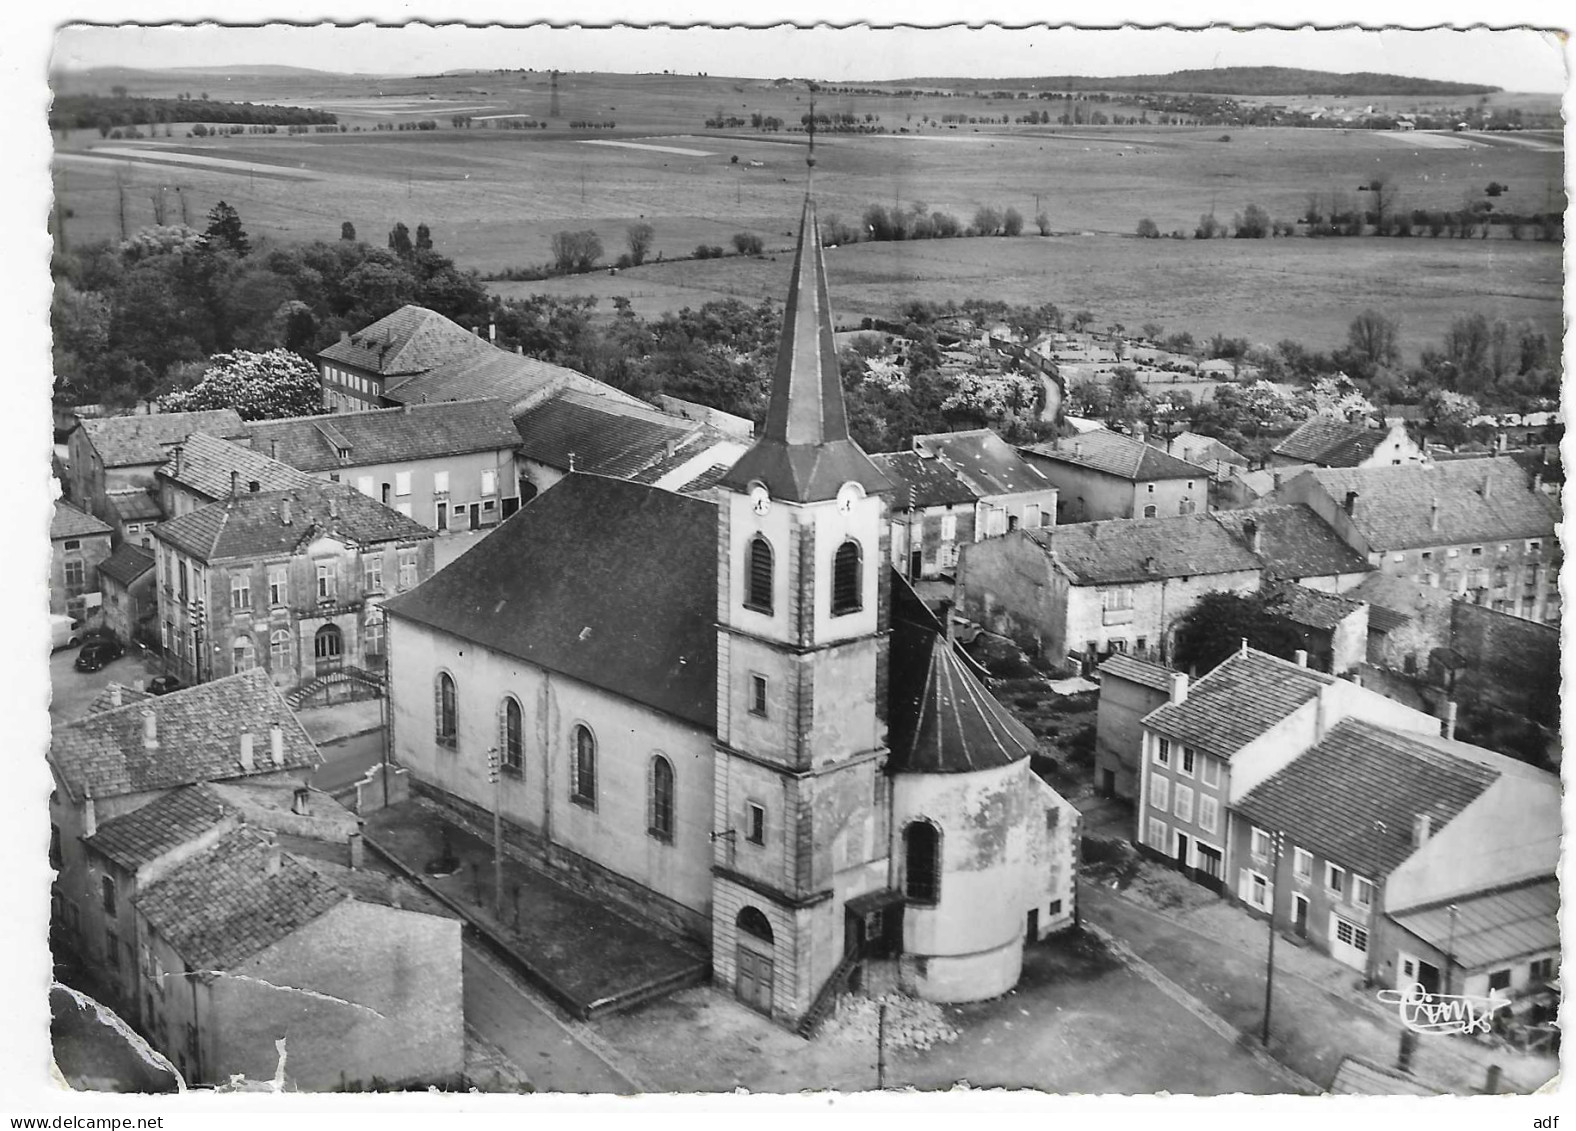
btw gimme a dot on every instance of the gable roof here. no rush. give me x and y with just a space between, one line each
223 905
69 522
126 441
1193 447
126 564
1393 601
1236 702
134 505
498 375
1492 927
1393 507
388 435
1294 542
1112 453
413 339
985 462
143 835
105 699
1122 551
626 602
1156 677
1330 442
253 524
922 481
601 437
1310 608
199 739
207 462
1352 796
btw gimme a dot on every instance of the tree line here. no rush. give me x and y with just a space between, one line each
93 111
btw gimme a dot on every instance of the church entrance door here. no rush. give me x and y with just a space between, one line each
756 963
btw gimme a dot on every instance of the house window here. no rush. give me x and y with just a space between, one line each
1163 752
372 631
921 862
440 483
758 576
1262 844
112 950
446 711
327 582
1209 770
183 590
1541 970
328 646
660 822
407 568
73 544
76 578
1362 892
1156 834
1351 934
1187 760
1184 803
243 657
1477 551
1534 547
1256 890
107 890
585 767
1150 511
1208 812
402 482
754 823
1335 879
846 596
240 591
1160 793
489 483
1498 980
1302 864
279 651
1150 487
758 695
278 585
372 574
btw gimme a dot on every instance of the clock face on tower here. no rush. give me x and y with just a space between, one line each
760 499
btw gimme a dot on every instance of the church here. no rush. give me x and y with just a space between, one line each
727 712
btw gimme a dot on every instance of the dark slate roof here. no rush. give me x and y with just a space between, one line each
134 506
389 435
1237 702
1392 600
500 375
1294 542
126 441
1329 442
1154 676
609 582
985 461
1494 927
922 481
1309 607
252 525
706 480
411 340
1352 796
1393 505
207 461
804 473
222 906
940 717
69 522
199 733
143 835
1123 551
1534 461
1115 454
126 564
370 886
604 437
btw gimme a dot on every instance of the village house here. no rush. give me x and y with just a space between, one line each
707 711
1130 688
79 544
449 465
288 581
933 513
1411 858
131 603
204 469
114 460
1333 628
1324 441
1102 474
1220 736
1010 492
1476 528
1206 452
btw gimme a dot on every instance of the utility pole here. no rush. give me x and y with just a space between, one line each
1450 954
494 776
120 197
1269 969
881 1047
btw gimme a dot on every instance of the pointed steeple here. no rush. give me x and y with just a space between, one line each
805 453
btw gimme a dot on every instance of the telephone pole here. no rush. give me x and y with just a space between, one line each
1269 968
495 776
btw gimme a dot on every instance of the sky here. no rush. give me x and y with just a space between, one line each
1514 59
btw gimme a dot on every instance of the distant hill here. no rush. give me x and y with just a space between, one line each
272 70
1225 80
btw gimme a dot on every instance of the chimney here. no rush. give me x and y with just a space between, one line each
275 860
276 742
301 802
89 814
492 332
235 481
1275 476
405 408
477 330
1321 713
284 510
248 759
1422 828
571 461
355 850
1302 657
1179 687
1433 514
1351 502
344 335
273 449
150 729
1077 449
1448 730
1488 485
1151 564
180 461
1537 483
333 507
114 695
1255 536
520 350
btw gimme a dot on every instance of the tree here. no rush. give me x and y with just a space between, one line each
1216 626
423 238
576 251
224 230
638 237
1043 222
1253 224
1448 416
1208 227
259 386
1148 229
347 231
747 243
399 241
1011 222
987 221
1372 340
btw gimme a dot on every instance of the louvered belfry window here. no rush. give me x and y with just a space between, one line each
845 579
758 576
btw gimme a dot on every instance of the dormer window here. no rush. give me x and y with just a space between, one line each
344 455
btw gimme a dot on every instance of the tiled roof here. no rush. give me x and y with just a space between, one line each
1237 702
500 375
626 601
126 564
1329 442
1392 600
706 442
222 906
1357 1077
126 441
135 505
1309 607
1493 928
1352 797
69 522
922 481
1154 676
207 462
143 835
105 699
941 718
1535 461
1122 551
985 462
706 480
1294 541
1194 448
253 525
411 340
370 886
389 435
1115 454
604 438
199 739
1394 504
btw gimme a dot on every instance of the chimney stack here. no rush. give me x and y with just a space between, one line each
1422 828
344 335
89 814
276 742
150 729
356 850
1321 712
273 449
284 510
1179 687
1449 728
1488 486
248 759
1433 514
1255 536
1537 483
235 482
114 695
301 802
1351 502
1275 476
180 461
275 859
1302 657
492 332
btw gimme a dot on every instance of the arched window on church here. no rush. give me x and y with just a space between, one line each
585 767
758 575
846 595
660 820
445 711
512 736
922 862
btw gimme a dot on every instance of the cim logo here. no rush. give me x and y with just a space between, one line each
1423 1012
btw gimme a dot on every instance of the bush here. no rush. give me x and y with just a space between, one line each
1208 227
1147 229
747 243
1496 189
1012 222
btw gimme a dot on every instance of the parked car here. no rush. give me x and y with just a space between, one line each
163 685
98 652
64 631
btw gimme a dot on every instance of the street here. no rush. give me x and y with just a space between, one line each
347 760
71 691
